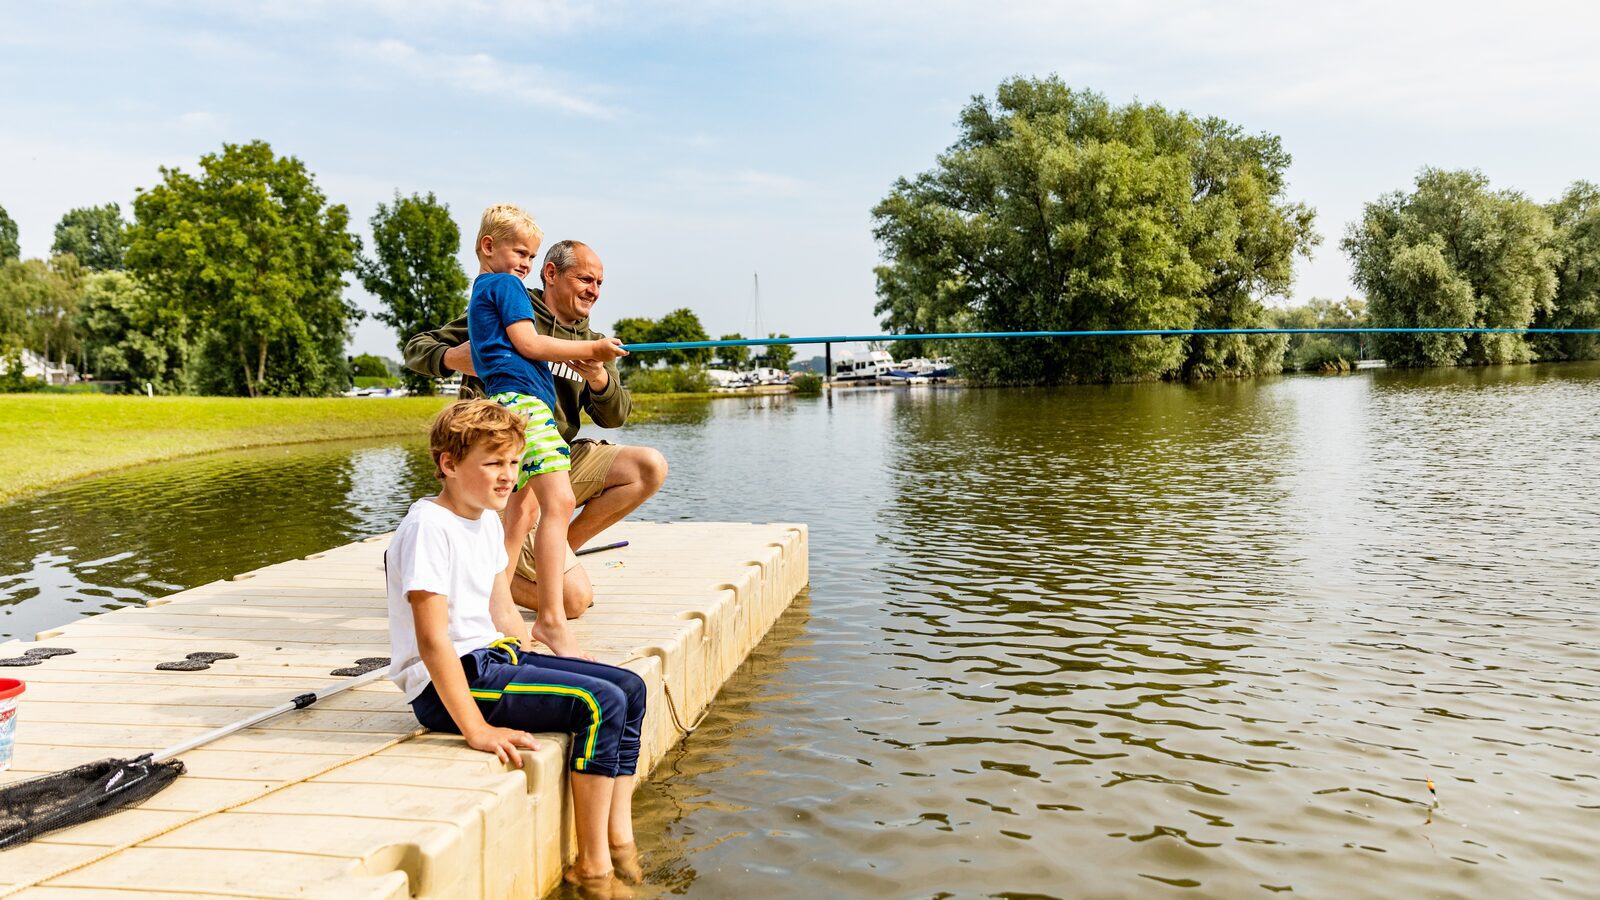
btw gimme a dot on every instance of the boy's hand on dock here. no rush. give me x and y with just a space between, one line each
502 742
606 349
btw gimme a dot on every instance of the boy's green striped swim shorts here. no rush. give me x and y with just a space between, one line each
545 451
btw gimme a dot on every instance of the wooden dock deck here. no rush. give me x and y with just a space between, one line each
346 799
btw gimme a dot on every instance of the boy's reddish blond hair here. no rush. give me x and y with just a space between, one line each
465 424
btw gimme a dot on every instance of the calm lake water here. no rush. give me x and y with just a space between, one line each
1115 641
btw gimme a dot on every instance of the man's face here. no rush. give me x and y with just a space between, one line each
484 477
513 254
571 294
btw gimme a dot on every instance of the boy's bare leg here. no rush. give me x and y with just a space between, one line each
521 513
619 831
554 493
577 592
591 807
634 477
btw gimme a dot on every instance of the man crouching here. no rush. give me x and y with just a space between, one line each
609 481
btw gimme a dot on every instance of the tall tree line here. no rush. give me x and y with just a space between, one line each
229 280
1454 253
1056 210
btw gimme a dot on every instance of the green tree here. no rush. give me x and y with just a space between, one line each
1454 254
1056 211
255 251
414 271
922 293
1245 235
734 358
634 330
40 302
1576 217
778 356
131 335
13 312
369 365
680 325
9 248
1314 352
96 235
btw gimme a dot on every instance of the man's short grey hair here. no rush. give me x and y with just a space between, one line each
562 254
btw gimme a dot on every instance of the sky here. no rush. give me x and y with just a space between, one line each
698 144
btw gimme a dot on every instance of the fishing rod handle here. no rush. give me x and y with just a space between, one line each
299 702
616 545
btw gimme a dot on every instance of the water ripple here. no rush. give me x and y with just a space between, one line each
1114 641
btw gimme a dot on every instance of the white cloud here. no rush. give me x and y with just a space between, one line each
528 85
742 182
545 15
200 120
40 180
1434 61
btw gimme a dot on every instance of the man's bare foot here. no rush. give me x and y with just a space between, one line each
604 886
625 860
559 638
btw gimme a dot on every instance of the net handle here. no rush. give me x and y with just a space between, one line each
299 702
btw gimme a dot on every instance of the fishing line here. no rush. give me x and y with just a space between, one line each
1127 332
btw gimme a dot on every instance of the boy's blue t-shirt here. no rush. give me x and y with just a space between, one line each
497 301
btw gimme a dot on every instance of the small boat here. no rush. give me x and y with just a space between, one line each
724 379
919 370
870 366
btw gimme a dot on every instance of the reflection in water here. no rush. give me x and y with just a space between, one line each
153 530
1114 641
1109 641
701 778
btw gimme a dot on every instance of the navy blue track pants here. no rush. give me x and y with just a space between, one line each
601 706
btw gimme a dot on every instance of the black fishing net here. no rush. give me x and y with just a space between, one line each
31 808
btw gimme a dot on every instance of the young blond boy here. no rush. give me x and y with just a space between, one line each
510 356
461 652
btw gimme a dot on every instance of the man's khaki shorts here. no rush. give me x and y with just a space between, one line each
591 460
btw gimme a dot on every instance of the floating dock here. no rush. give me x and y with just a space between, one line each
349 799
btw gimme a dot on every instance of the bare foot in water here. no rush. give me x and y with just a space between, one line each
604 886
625 859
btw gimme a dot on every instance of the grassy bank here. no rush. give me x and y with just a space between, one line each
47 439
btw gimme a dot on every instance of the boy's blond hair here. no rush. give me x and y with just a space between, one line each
504 221
466 423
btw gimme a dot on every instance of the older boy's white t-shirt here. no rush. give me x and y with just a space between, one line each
438 551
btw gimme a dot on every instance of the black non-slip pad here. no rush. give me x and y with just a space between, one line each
363 666
194 662
35 656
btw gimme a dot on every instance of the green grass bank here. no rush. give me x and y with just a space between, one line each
48 439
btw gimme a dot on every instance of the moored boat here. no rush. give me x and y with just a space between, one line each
869 366
921 369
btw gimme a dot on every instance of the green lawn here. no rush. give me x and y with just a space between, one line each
46 439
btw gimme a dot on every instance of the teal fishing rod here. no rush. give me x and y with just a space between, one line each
1127 332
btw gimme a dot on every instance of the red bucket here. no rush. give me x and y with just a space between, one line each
10 692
